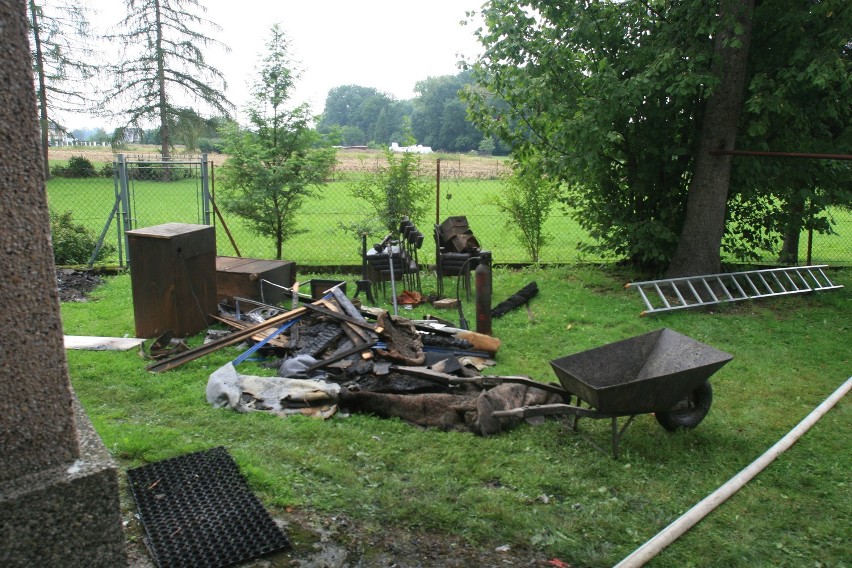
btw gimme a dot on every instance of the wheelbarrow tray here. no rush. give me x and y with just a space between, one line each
647 373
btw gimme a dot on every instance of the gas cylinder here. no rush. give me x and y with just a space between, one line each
483 293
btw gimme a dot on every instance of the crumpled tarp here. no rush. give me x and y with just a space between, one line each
467 410
226 388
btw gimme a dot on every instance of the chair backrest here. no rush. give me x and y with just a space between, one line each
455 235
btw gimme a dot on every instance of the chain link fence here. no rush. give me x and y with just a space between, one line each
184 191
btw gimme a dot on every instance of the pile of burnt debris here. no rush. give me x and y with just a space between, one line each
75 285
333 356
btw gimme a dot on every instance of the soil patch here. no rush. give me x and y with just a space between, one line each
75 285
337 542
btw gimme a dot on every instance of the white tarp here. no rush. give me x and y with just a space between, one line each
279 395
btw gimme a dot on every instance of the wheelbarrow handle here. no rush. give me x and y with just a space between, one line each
550 410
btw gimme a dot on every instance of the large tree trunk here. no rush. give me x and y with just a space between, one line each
789 253
701 237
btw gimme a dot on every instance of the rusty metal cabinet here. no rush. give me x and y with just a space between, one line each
173 277
253 278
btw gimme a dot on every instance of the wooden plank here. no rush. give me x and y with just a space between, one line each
232 339
355 334
239 324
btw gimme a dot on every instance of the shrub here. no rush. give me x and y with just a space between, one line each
73 243
397 189
107 170
78 167
526 199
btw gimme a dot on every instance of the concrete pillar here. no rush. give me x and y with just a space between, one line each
59 503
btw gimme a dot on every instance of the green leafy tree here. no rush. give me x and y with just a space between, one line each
797 101
527 200
164 62
354 109
698 248
397 189
627 99
440 116
63 62
279 161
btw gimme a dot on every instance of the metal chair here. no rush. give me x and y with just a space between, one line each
456 252
395 259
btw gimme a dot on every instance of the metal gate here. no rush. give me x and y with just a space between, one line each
153 192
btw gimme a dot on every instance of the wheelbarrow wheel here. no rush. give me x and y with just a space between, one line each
689 412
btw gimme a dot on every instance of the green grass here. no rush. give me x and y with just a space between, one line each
332 206
789 354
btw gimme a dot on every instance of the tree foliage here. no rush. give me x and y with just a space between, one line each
163 66
437 115
527 200
395 190
63 62
440 116
362 115
798 101
279 160
612 96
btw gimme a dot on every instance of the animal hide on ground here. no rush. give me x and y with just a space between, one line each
465 411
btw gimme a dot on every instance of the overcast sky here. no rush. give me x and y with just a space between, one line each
385 44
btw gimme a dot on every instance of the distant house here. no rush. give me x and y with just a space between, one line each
418 149
58 135
133 135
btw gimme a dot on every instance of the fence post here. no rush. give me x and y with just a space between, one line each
124 196
205 190
438 193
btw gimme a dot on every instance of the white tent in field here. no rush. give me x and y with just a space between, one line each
418 149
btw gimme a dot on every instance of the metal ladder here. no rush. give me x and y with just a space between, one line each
693 291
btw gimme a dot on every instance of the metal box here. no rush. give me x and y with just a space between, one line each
253 278
173 277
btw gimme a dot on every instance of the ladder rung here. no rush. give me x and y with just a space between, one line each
743 295
724 289
695 293
710 291
662 296
765 283
753 287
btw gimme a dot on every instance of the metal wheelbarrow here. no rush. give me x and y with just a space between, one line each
662 372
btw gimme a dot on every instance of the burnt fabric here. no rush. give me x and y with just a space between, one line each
403 343
469 412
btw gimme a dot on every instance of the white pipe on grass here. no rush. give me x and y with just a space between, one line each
686 521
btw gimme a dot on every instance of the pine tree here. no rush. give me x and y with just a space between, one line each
63 62
163 66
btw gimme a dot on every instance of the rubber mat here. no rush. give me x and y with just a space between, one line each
198 510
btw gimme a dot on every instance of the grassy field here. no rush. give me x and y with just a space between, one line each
541 490
91 201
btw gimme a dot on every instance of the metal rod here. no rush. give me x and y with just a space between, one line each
689 519
781 154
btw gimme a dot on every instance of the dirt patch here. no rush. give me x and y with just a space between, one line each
75 285
338 542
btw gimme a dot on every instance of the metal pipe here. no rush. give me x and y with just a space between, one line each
781 154
438 193
668 535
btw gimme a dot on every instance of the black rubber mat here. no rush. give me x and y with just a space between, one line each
198 511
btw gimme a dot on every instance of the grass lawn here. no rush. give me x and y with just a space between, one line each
541 488
91 201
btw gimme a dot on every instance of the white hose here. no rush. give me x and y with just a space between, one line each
686 521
